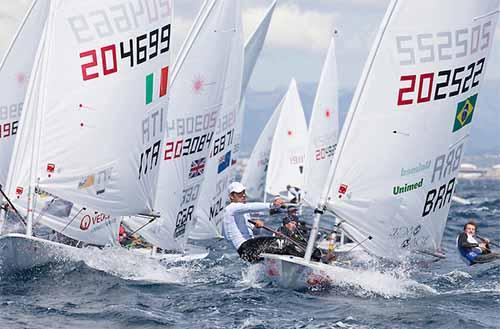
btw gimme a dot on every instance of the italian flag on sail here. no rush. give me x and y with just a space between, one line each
150 83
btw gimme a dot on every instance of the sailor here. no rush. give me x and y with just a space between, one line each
237 230
471 250
292 227
294 194
297 233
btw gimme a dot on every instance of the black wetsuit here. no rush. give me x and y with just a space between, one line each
251 249
298 248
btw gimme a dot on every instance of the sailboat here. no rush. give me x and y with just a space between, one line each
88 144
322 141
205 92
286 159
277 159
431 57
15 69
224 155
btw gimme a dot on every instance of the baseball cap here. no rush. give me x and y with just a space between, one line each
288 219
235 187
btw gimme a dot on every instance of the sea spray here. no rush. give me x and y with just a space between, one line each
128 265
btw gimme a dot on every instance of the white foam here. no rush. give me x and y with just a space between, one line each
130 266
456 276
253 276
367 282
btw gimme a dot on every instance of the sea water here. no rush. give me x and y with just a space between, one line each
114 289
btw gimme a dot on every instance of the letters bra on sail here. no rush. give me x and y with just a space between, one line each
415 104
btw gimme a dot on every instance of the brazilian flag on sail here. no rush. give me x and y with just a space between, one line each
465 110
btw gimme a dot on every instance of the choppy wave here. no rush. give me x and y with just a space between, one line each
113 288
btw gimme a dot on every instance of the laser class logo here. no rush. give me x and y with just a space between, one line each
465 110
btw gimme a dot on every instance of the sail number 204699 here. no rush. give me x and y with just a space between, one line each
136 50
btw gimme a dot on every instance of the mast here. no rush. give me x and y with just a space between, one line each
13 41
320 209
35 155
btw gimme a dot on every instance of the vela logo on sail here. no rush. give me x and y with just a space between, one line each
150 78
465 110
87 220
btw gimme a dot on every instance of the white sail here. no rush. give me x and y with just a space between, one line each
323 130
254 45
195 104
286 161
254 176
15 69
92 130
221 170
399 153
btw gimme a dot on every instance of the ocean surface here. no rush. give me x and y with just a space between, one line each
113 289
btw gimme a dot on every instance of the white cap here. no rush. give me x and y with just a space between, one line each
235 187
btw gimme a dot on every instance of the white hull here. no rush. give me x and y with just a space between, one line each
20 252
192 253
294 272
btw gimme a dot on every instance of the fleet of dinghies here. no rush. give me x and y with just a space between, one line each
277 159
87 147
112 133
414 103
197 99
221 169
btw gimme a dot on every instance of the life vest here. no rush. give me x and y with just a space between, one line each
468 255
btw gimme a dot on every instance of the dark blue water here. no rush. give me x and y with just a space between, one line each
110 289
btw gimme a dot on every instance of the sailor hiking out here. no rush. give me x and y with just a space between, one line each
471 250
238 231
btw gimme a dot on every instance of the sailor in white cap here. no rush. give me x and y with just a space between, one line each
237 230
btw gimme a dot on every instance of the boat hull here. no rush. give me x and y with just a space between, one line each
20 252
292 272
192 253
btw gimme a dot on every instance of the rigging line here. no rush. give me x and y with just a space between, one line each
458 142
360 243
72 219
491 13
13 207
44 210
143 226
433 254
490 242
